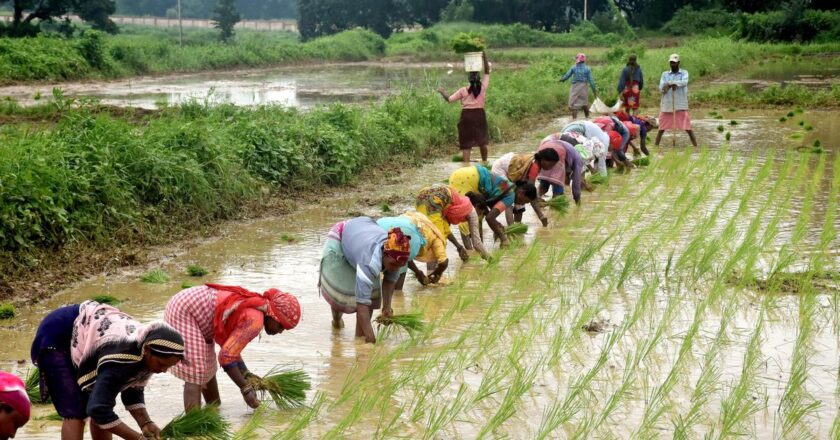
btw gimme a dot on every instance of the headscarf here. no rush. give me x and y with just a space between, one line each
580 58
398 246
632 128
279 306
459 208
519 165
13 394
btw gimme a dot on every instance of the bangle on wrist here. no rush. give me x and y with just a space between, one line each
247 389
143 425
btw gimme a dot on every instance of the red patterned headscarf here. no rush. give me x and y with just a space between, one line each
13 394
459 209
279 306
397 245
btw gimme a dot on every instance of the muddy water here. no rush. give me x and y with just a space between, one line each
812 72
255 255
302 86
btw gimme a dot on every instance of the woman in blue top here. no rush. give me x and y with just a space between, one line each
581 77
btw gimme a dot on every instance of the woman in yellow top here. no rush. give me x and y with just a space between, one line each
444 206
427 245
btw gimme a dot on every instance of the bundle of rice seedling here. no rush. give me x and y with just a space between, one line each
791 114
809 127
105 299
287 388
641 161
33 386
801 123
205 423
187 285
408 321
468 42
609 102
598 179
289 238
733 110
516 229
7 311
728 135
384 207
782 119
155 276
817 150
720 128
457 158
195 270
817 143
560 204
733 122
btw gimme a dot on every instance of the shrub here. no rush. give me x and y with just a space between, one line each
688 21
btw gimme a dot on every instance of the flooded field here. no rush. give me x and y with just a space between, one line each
640 314
301 86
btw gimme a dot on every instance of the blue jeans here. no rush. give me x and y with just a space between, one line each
556 190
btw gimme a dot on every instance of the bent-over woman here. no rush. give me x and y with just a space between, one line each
568 171
232 317
472 127
444 206
428 245
356 253
15 407
490 195
525 167
88 354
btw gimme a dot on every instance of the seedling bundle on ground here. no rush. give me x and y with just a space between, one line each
410 322
204 423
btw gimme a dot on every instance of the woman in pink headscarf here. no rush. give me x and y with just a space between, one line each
232 317
14 405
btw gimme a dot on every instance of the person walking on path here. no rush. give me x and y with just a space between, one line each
673 108
581 78
630 84
472 127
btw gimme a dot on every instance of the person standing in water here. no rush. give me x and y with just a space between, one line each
673 108
581 77
472 127
630 84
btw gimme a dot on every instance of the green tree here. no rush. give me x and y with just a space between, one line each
225 17
458 10
26 12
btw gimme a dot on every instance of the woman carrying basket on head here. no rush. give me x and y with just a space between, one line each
472 127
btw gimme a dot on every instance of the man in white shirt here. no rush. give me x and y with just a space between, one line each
673 107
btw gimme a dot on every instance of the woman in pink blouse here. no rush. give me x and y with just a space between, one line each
472 127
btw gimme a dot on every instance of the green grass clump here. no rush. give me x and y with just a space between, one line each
106 299
791 114
817 143
728 135
195 270
409 321
287 388
799 110
155 276
7 311
801 123
457 158
468 42
733 122
642 161
720 128
385 207
516 229
559 204
205 423
783 119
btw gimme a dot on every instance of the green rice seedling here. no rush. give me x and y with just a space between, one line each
733 122
290 238
106 299
516 229
457 158
204 422
286 387
801 123
598 179
7 311
33 386
712 113
809 127
732 110
796 135
728 136
195 270
799 110
783 119
719 117
559 204
642 161
817 143
384 207
187 285
791 114
155 276
249 430
51 417
411 322
721 128
303 419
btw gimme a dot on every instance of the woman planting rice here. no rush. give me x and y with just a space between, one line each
90 352
585 130
472 127
581 77
645 123
569 170
14 405
356 253
428 245
231 316
444 206
524 168
490 195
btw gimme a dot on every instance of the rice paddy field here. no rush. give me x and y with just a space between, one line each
696 297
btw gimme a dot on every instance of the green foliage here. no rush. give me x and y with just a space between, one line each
598 179
7 311
195 270
204 422
287 388
642 161
225 17
91 46
155 276
720 128
106 299
457 10
612 21
457 158
688 21
468 42
791 23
